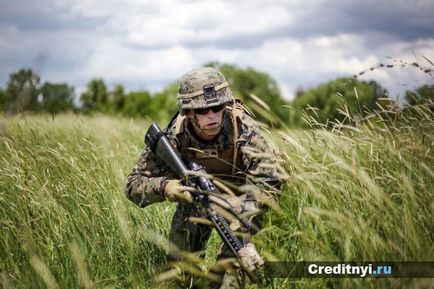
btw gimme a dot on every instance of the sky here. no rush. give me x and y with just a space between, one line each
149 44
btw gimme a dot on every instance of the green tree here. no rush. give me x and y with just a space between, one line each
95 97
56 97
3 99
22 91
327 101
117 98
137 103
421 95
163 104
258 90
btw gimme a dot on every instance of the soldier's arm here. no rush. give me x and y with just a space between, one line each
260 158
145 183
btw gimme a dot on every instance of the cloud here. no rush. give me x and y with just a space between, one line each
137 69
306 63
148 44
398 18
205 23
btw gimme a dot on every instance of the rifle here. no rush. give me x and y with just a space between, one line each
246 254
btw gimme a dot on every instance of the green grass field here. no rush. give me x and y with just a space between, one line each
360 194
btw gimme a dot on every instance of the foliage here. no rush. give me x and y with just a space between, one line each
137 104
22 91
258 90
337 100
95 97
3 100
117 98
421 95
163 105
141 103
56 97
64 215
359 194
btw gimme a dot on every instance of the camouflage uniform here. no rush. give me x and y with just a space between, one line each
254 160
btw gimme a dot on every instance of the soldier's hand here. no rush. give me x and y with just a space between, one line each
174 191
250 258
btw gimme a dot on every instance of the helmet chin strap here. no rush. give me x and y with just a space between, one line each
204 133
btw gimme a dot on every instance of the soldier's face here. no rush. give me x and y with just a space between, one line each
210 123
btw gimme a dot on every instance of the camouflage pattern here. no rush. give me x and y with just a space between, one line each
145 183
193 82
256 160
255 165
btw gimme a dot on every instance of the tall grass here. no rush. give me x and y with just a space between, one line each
65 221
353 193
358 194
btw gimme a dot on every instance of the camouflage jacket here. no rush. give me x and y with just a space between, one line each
255 160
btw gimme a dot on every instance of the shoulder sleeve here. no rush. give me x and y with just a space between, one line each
260 157
145 183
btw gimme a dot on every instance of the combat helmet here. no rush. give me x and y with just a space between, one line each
201 88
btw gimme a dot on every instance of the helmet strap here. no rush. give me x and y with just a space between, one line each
235 128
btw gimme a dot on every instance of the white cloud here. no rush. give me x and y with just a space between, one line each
169 22
148 44
122 64
201 22
296 63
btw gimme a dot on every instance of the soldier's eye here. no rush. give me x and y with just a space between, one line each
201 110
206 110
218 108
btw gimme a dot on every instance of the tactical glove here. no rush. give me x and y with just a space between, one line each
174 191
250 258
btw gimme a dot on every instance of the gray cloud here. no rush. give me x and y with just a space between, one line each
402 19
399 20
44 15
148 44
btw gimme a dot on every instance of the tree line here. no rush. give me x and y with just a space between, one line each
331 101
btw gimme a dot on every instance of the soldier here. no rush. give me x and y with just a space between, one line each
213 130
